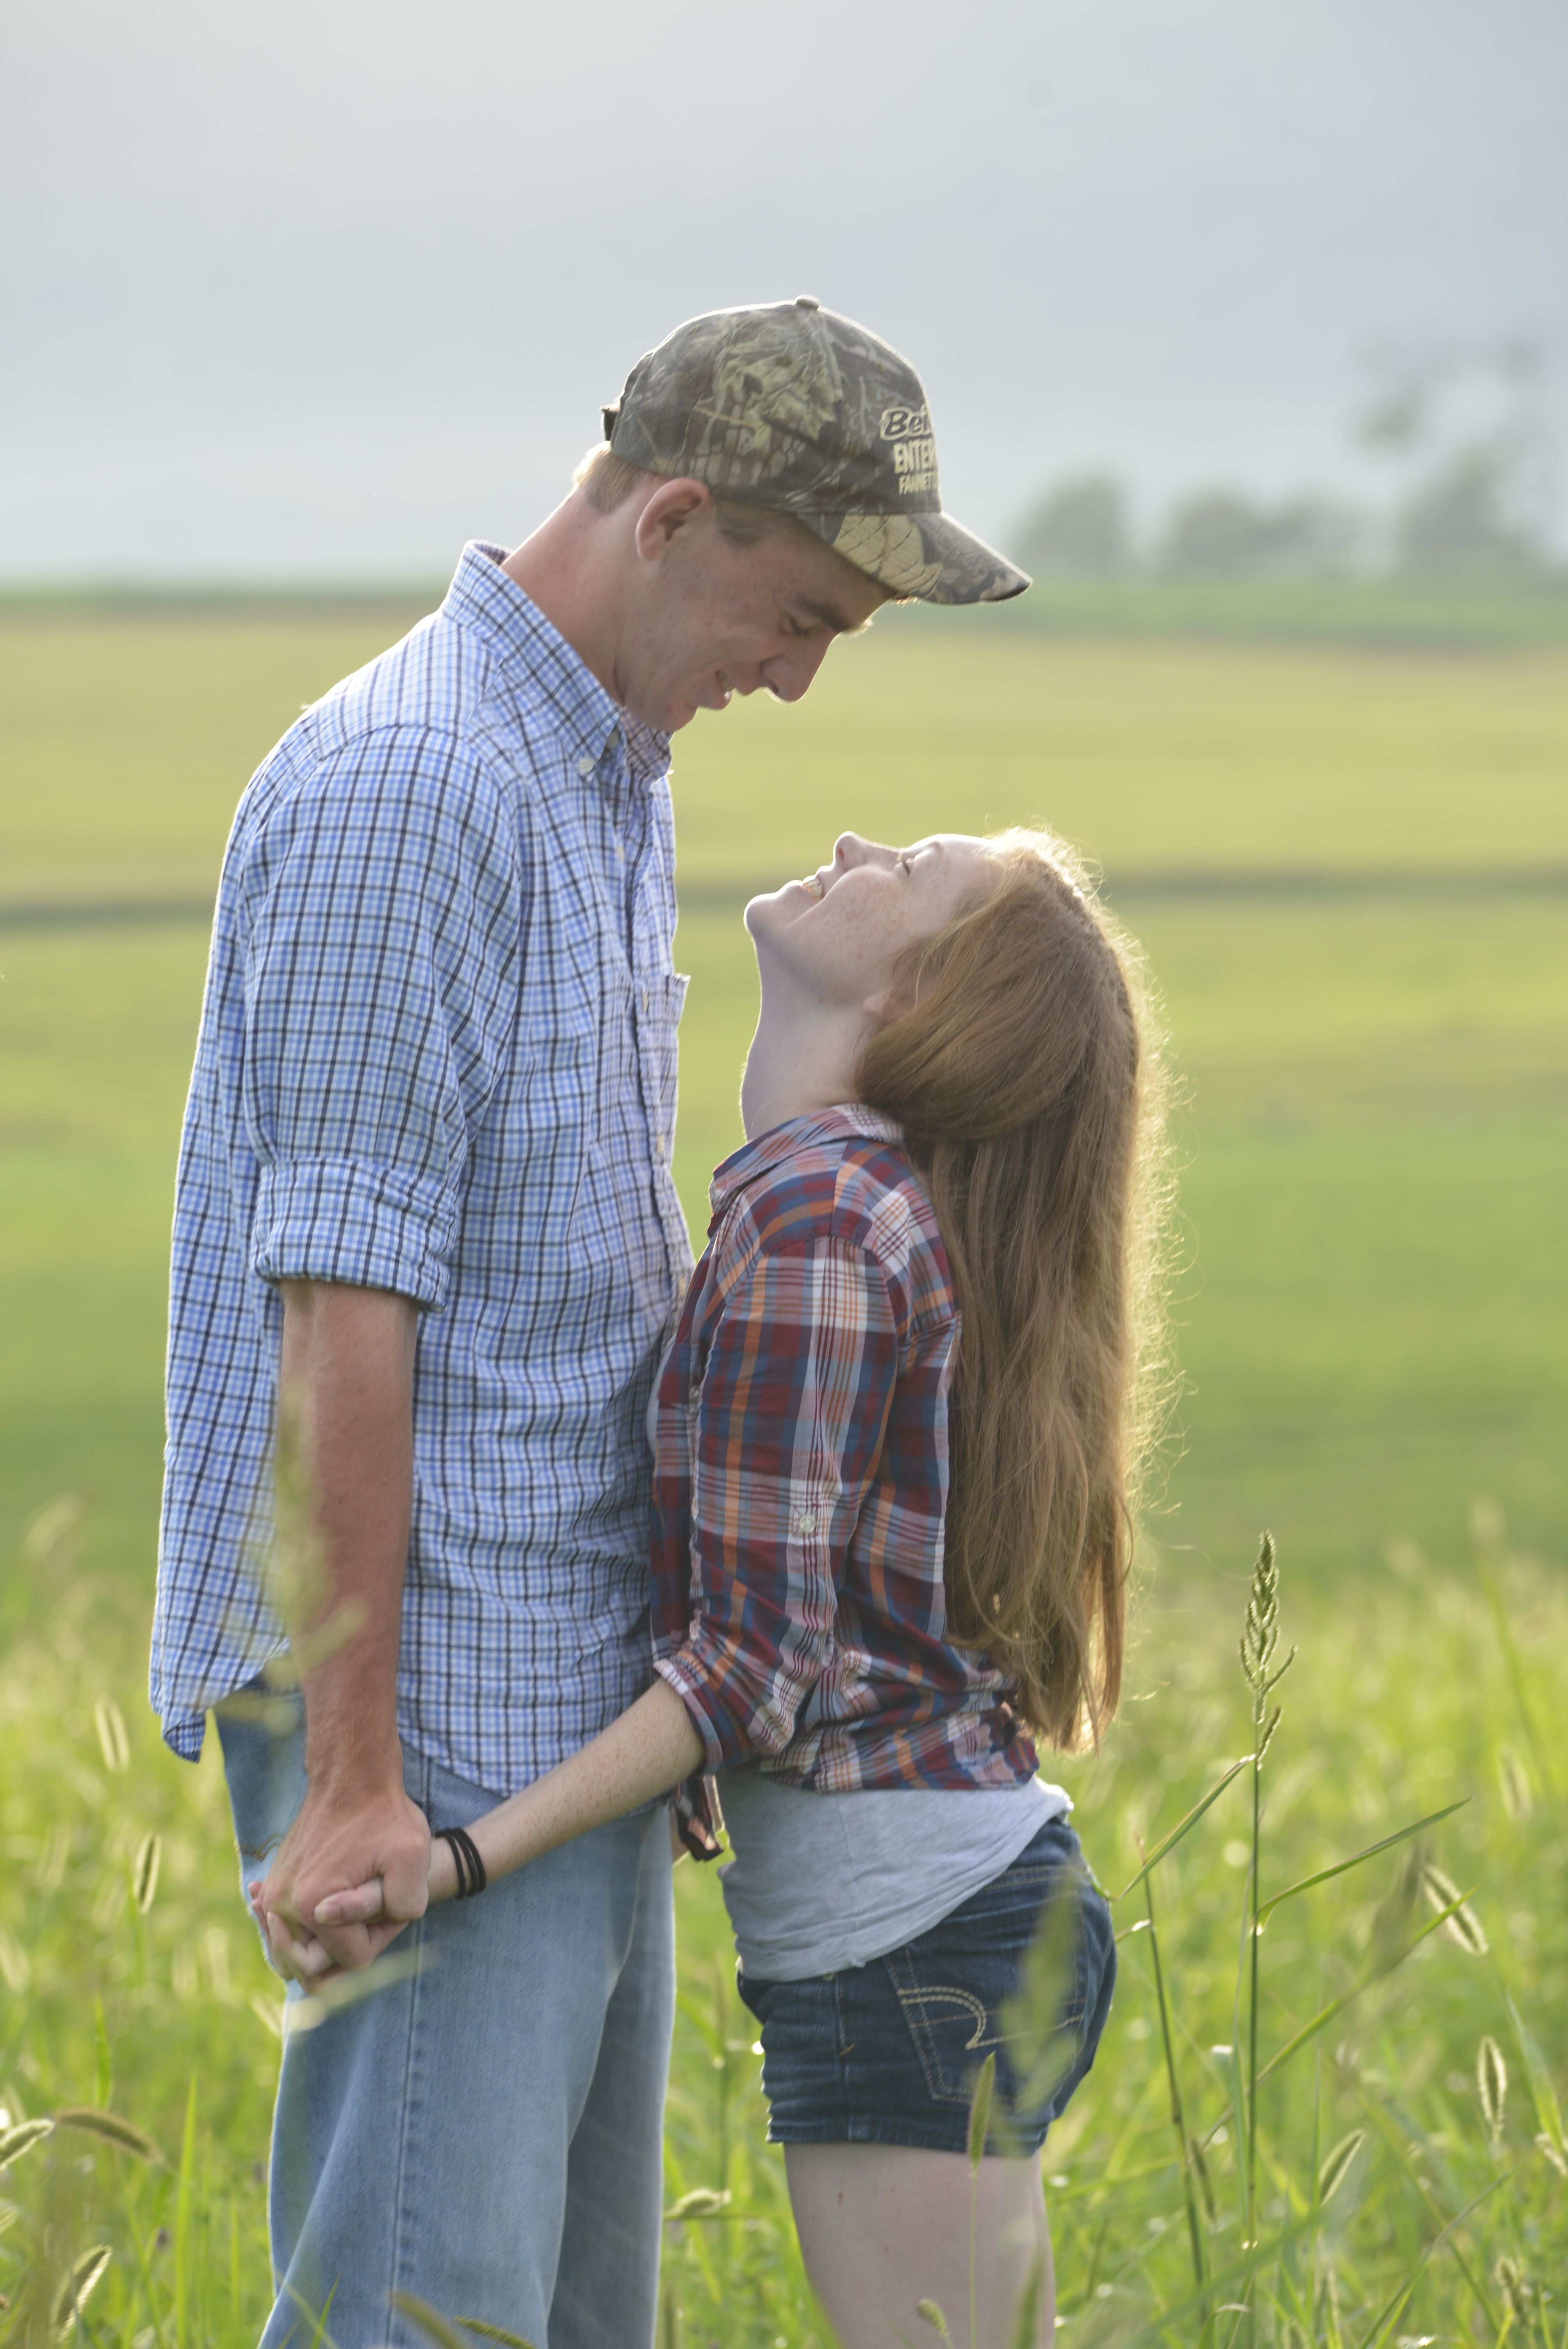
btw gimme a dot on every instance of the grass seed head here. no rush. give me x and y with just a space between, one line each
1491 2079
82 2277
1513 1780
144 1875
1543 2144
1517 2290
20 2138
49 1538
114 1742
933 2317
1464 1927
112 2127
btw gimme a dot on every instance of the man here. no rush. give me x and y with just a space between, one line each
427 1230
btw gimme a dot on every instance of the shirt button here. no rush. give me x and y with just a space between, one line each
695 1393
584 766
645 998
804 1521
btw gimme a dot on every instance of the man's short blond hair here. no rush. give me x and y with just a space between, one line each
607 480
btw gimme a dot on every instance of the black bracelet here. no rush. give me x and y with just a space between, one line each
470 1868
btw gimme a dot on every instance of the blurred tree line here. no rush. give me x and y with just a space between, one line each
1465 437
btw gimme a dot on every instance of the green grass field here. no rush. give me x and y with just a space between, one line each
1345 868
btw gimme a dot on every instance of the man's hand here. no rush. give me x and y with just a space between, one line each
346 1838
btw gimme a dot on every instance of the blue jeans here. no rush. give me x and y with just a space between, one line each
486 2132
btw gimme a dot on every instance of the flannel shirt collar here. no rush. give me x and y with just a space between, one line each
531 651
767 1150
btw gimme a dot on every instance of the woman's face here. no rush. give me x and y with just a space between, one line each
841 933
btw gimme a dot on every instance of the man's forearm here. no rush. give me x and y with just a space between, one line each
347 1431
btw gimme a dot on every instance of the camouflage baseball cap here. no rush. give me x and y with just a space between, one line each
794 407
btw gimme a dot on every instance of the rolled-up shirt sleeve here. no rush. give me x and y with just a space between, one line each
383 909
790 1419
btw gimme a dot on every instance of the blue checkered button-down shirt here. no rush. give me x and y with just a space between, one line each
438 1056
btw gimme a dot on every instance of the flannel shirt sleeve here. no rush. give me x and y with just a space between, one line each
383 909
790 1419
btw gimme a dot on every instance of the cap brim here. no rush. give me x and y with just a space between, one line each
927 555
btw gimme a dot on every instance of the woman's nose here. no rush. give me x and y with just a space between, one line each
850 850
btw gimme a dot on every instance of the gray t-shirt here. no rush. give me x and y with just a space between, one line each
823 1881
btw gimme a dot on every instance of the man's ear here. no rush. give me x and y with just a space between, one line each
672 507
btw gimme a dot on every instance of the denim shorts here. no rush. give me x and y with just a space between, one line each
890 2053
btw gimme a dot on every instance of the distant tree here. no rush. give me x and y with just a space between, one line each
1471 430
1462 518
1225 534
1080 529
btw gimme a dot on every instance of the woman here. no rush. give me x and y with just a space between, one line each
894 1433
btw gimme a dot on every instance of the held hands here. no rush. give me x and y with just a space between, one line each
371 1837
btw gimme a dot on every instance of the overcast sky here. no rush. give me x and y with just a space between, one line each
323 287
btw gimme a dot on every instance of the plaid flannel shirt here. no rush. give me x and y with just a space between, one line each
800 1482
438 1056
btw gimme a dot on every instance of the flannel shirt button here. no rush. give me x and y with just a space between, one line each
696 1394
804 1521
584 766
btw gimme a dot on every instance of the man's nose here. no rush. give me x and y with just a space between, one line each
789 675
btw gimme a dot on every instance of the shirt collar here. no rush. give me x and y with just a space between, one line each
768 1150
531 648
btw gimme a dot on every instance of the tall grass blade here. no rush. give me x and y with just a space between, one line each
318 2006
979 2128
103 2084
1178 2118
1513 1662
980 2110
1384 1843
1184 1827
441 2328
1385 2322
1542 2095
183 2212
1348 1998
1027 2323
1337 2165
494 2332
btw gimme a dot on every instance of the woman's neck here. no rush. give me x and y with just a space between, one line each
802 1059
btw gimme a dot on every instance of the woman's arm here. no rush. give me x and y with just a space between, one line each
651 1748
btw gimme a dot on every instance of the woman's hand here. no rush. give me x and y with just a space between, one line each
301 1957
360 1904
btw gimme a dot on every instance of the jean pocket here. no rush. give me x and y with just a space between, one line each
955 2026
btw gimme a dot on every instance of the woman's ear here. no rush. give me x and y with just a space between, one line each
888 1004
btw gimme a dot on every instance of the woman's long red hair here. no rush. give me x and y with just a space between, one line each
1028 1088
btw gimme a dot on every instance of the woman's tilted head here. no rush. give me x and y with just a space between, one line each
1018 1055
